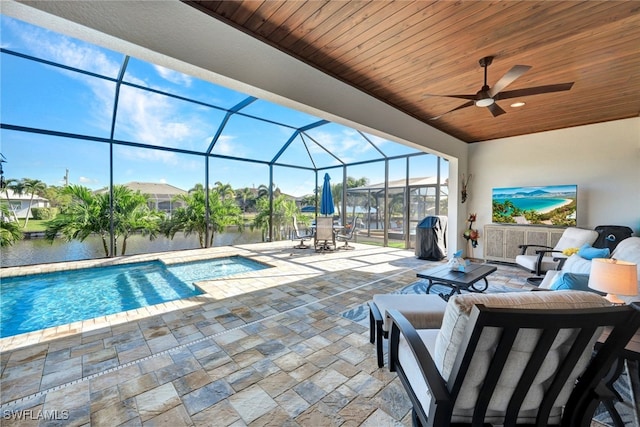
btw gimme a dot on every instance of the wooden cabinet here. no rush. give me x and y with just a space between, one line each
501 241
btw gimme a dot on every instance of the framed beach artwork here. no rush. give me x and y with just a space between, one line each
542 205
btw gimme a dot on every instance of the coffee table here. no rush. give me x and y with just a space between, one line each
457 280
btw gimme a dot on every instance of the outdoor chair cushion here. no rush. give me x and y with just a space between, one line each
445 342
457 312
423 311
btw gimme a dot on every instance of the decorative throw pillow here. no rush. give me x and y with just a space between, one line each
573 281
589 252
570 251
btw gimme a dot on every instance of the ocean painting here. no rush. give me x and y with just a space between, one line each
544 205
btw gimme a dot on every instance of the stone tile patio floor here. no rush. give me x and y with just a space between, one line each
262 348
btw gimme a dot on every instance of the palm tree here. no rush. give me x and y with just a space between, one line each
9 230
32 186
224 190
245 194
263 191
132 214
197 187
352 200
222 213
190 218
89 213
282 214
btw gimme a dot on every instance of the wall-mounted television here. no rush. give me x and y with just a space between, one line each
539 205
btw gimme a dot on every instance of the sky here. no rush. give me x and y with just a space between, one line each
45 97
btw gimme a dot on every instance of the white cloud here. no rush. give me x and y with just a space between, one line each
87 181
346 145
226 147
143 116
148 156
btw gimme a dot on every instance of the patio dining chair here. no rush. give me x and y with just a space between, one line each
306 236
510 359
346 235
325 238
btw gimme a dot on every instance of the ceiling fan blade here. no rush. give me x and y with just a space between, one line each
534 91
496 110
465 105
456 96
508 78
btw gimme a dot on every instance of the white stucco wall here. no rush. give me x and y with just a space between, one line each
602 159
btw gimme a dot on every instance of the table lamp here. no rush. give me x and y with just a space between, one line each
614 277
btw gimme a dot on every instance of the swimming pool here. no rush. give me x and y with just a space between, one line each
39 301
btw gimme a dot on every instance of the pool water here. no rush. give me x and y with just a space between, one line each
39 301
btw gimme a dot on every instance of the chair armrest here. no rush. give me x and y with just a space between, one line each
560 261
377 316
525 247
430 373
541 254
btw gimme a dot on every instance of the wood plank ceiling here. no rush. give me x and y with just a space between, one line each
400 52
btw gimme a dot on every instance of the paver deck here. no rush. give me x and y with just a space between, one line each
261 348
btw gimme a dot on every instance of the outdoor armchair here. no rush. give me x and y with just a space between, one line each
510 359
546 258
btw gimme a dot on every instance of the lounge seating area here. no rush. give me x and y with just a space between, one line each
575 271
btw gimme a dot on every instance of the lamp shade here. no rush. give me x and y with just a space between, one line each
614 277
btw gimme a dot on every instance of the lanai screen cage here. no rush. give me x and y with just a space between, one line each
109 119
392 211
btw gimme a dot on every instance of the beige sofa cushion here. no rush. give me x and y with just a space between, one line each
452 333
410 365
574 237
457 312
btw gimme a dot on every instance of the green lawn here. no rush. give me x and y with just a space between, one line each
33 225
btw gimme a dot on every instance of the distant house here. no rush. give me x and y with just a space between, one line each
19 203
160 196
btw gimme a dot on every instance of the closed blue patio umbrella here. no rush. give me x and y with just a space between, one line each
326 204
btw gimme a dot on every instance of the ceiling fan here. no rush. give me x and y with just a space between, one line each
487 96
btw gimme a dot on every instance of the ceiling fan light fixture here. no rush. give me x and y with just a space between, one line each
485 102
